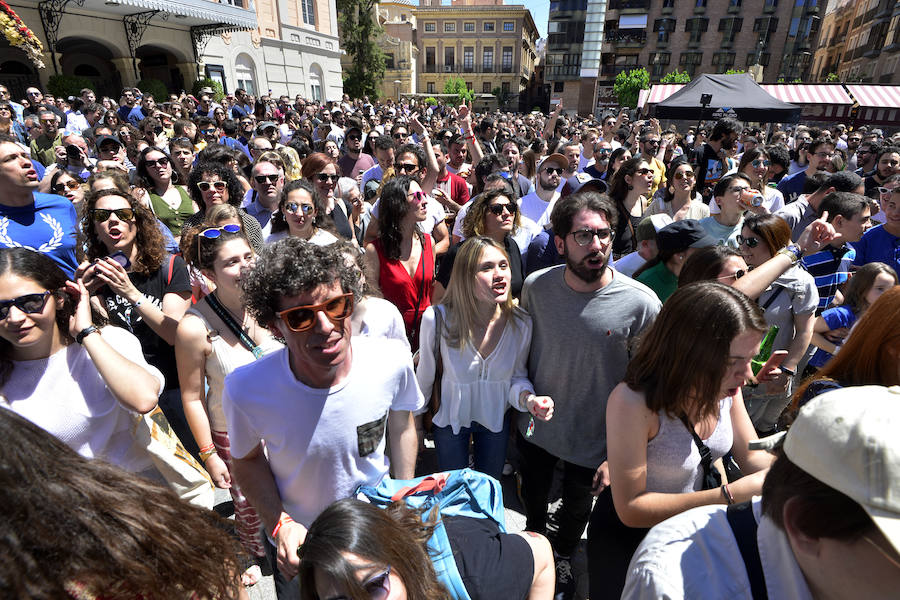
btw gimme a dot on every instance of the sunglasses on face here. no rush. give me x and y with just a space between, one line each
736 275
378 587
303 318
652 142
206 185
323 177
499 209
162 161
684 175
71 184
759 162
353 138
416 197
101 215
295 208
271 178
553 170
29 303
750 242
207 131
603 152
583 237
407 167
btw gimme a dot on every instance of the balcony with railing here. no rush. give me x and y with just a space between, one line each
613 70
628 5
626 38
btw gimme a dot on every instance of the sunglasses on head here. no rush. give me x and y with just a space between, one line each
303 318
28 303
507 207
295 208
71 184
162 161
206 185
271 178
736 275
750 242
212 233
323 177
101 215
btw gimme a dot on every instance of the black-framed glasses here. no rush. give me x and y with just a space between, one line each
323 177
71 184
506 207
736 275
101 215
271 178
28 303
407 167
750 242
554 170
303 318
205 186
583 237
399 136
162 161
295 208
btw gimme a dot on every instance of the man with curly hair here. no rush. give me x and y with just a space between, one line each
42 222
320 406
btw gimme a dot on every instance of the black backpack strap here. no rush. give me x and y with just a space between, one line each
743 526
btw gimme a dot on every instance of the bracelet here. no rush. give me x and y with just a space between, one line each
793 252
284 519
207 448
468 137
205 455
727 493
86 332
790 372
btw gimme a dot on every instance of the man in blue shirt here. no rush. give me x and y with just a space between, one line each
819 158
882 243
45 223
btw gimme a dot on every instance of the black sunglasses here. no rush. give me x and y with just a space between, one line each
162 161
323 177
554 170
498 209
736 275
751 242
406 167
28 303
271 178
101 215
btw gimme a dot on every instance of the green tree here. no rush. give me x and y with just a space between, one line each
735 71
456 85
359 29
502 97
629 83
832 77
676 76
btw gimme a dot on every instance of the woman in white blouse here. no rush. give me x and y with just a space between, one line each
484 343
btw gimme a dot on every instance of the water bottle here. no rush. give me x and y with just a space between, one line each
765 350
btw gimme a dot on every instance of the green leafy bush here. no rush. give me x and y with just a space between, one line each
155 88
67 85
218 90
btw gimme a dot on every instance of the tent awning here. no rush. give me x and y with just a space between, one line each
659 92
736 95
880 96
804 93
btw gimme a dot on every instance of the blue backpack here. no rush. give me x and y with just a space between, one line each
463 493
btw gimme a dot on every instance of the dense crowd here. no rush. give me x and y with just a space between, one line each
302 297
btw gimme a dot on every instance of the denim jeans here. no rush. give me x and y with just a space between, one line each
490 448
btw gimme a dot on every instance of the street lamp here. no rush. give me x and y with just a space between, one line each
397 83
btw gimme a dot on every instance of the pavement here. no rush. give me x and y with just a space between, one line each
515 521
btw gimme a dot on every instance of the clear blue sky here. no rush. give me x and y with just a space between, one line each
539 12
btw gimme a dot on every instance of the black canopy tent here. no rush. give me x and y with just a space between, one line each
731 95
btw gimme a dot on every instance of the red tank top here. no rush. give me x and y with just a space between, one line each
411 296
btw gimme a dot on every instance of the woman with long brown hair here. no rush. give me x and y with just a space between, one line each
158 190
321 171
629 189
682 389
356 550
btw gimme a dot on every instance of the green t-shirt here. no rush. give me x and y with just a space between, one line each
660 279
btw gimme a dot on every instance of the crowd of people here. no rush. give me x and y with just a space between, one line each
313 293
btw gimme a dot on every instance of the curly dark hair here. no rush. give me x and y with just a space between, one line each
151 247
73 520
393 207
235 191
287 268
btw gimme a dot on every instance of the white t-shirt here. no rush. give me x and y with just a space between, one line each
379 318
536 209
65 395
321 443
319 238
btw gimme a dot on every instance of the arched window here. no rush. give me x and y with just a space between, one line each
245 73
315 82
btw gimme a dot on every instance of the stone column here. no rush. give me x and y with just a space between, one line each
125 66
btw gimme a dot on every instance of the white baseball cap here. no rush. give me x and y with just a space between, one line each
847 439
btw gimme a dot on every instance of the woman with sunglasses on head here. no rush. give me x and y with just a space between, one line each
402 257
140 286
215 337
63 369
301 214
629 189
680 401
322 172
679 199
790 304
356 550
484 343
70 185
494 214
158 191
212 184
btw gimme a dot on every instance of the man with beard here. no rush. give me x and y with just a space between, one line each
597 167
586 317
710 164
538 204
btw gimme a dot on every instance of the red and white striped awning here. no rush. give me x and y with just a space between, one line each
804 93
658 93
879 96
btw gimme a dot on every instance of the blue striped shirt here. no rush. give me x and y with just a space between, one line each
830 268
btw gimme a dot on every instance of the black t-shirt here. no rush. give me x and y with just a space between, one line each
122 313
445 267
625 241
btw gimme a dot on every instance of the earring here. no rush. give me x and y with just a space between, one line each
630 187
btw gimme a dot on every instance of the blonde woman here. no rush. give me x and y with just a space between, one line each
484 344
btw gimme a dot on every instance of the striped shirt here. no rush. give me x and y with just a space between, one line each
830 268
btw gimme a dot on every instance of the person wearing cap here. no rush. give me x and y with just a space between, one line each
269 130
111 155
645 233
827 524
538 205
354 160
675 243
